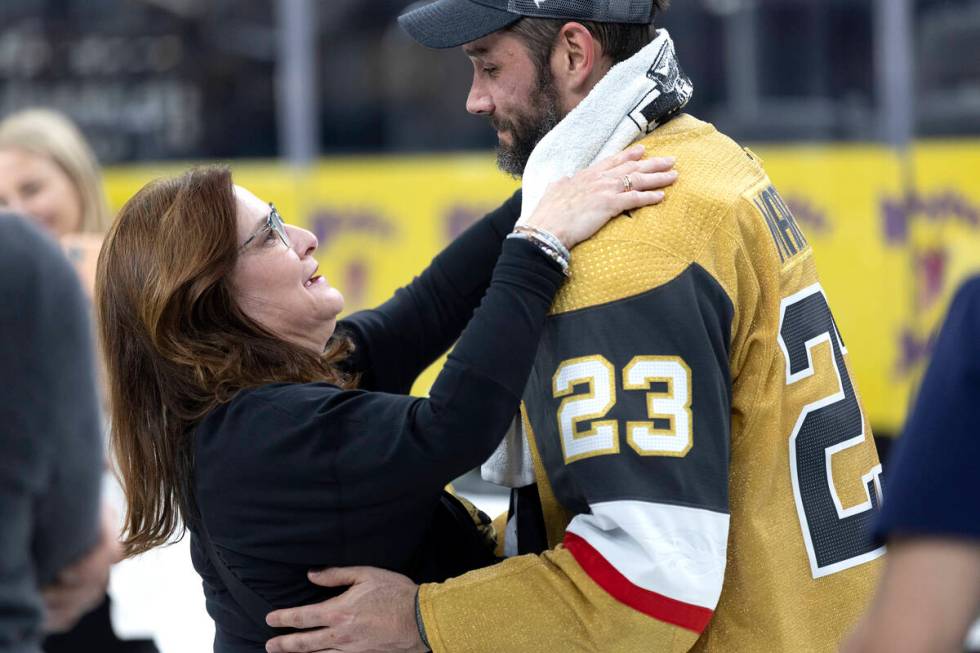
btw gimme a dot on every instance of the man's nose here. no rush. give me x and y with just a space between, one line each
479 102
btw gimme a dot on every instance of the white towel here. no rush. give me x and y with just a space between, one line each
633 99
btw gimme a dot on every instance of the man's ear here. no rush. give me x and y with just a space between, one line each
576 62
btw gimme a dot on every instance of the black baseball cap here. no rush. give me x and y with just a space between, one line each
450 23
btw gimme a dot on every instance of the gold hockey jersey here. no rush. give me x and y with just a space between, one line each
706 477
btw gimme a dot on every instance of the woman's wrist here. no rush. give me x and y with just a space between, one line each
557 231
546 237
547 244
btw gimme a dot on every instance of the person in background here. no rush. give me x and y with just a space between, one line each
929 593
49 174
51 439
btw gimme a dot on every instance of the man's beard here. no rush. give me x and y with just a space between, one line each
527 130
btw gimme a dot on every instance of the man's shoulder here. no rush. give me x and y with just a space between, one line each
715 200
715 170
718 179
696 224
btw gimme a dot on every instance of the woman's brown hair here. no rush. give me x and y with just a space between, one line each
176 345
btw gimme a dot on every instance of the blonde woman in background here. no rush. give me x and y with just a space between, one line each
49 173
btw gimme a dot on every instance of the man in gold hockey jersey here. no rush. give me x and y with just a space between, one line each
703 474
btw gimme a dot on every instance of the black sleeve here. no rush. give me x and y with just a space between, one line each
428 442
51 465
396 341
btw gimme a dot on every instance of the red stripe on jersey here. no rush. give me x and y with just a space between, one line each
658 606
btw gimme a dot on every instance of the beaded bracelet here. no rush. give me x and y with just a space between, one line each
548 237
545 248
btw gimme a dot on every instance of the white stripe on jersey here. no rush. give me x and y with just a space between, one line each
675 551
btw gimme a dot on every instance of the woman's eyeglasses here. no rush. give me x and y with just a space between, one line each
273 224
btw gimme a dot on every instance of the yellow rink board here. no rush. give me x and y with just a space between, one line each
892 237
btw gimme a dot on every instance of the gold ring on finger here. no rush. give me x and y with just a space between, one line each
627 184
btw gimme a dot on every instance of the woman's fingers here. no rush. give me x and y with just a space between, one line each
614 179
639 198
637 181
574 208
655 164
652 180
631 153
610 173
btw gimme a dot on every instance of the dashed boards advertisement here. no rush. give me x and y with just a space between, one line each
893 236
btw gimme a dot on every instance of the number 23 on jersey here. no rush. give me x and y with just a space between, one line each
836 537
667 429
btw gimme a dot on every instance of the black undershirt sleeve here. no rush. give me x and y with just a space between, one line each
397 340
475 396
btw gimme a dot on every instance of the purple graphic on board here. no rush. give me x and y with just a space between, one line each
328 223
356 275
460 216
930 265
809 216
930 275
943 206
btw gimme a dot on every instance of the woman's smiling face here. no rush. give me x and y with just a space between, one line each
275 280
37 187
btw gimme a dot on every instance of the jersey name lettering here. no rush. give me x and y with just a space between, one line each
789 240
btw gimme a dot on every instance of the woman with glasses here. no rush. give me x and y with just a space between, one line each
285 439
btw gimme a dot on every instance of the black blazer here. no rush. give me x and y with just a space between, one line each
290 477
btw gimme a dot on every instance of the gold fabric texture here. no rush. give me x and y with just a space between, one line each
770 600
543 604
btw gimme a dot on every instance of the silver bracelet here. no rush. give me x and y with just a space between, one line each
545 249
561 255
548 237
